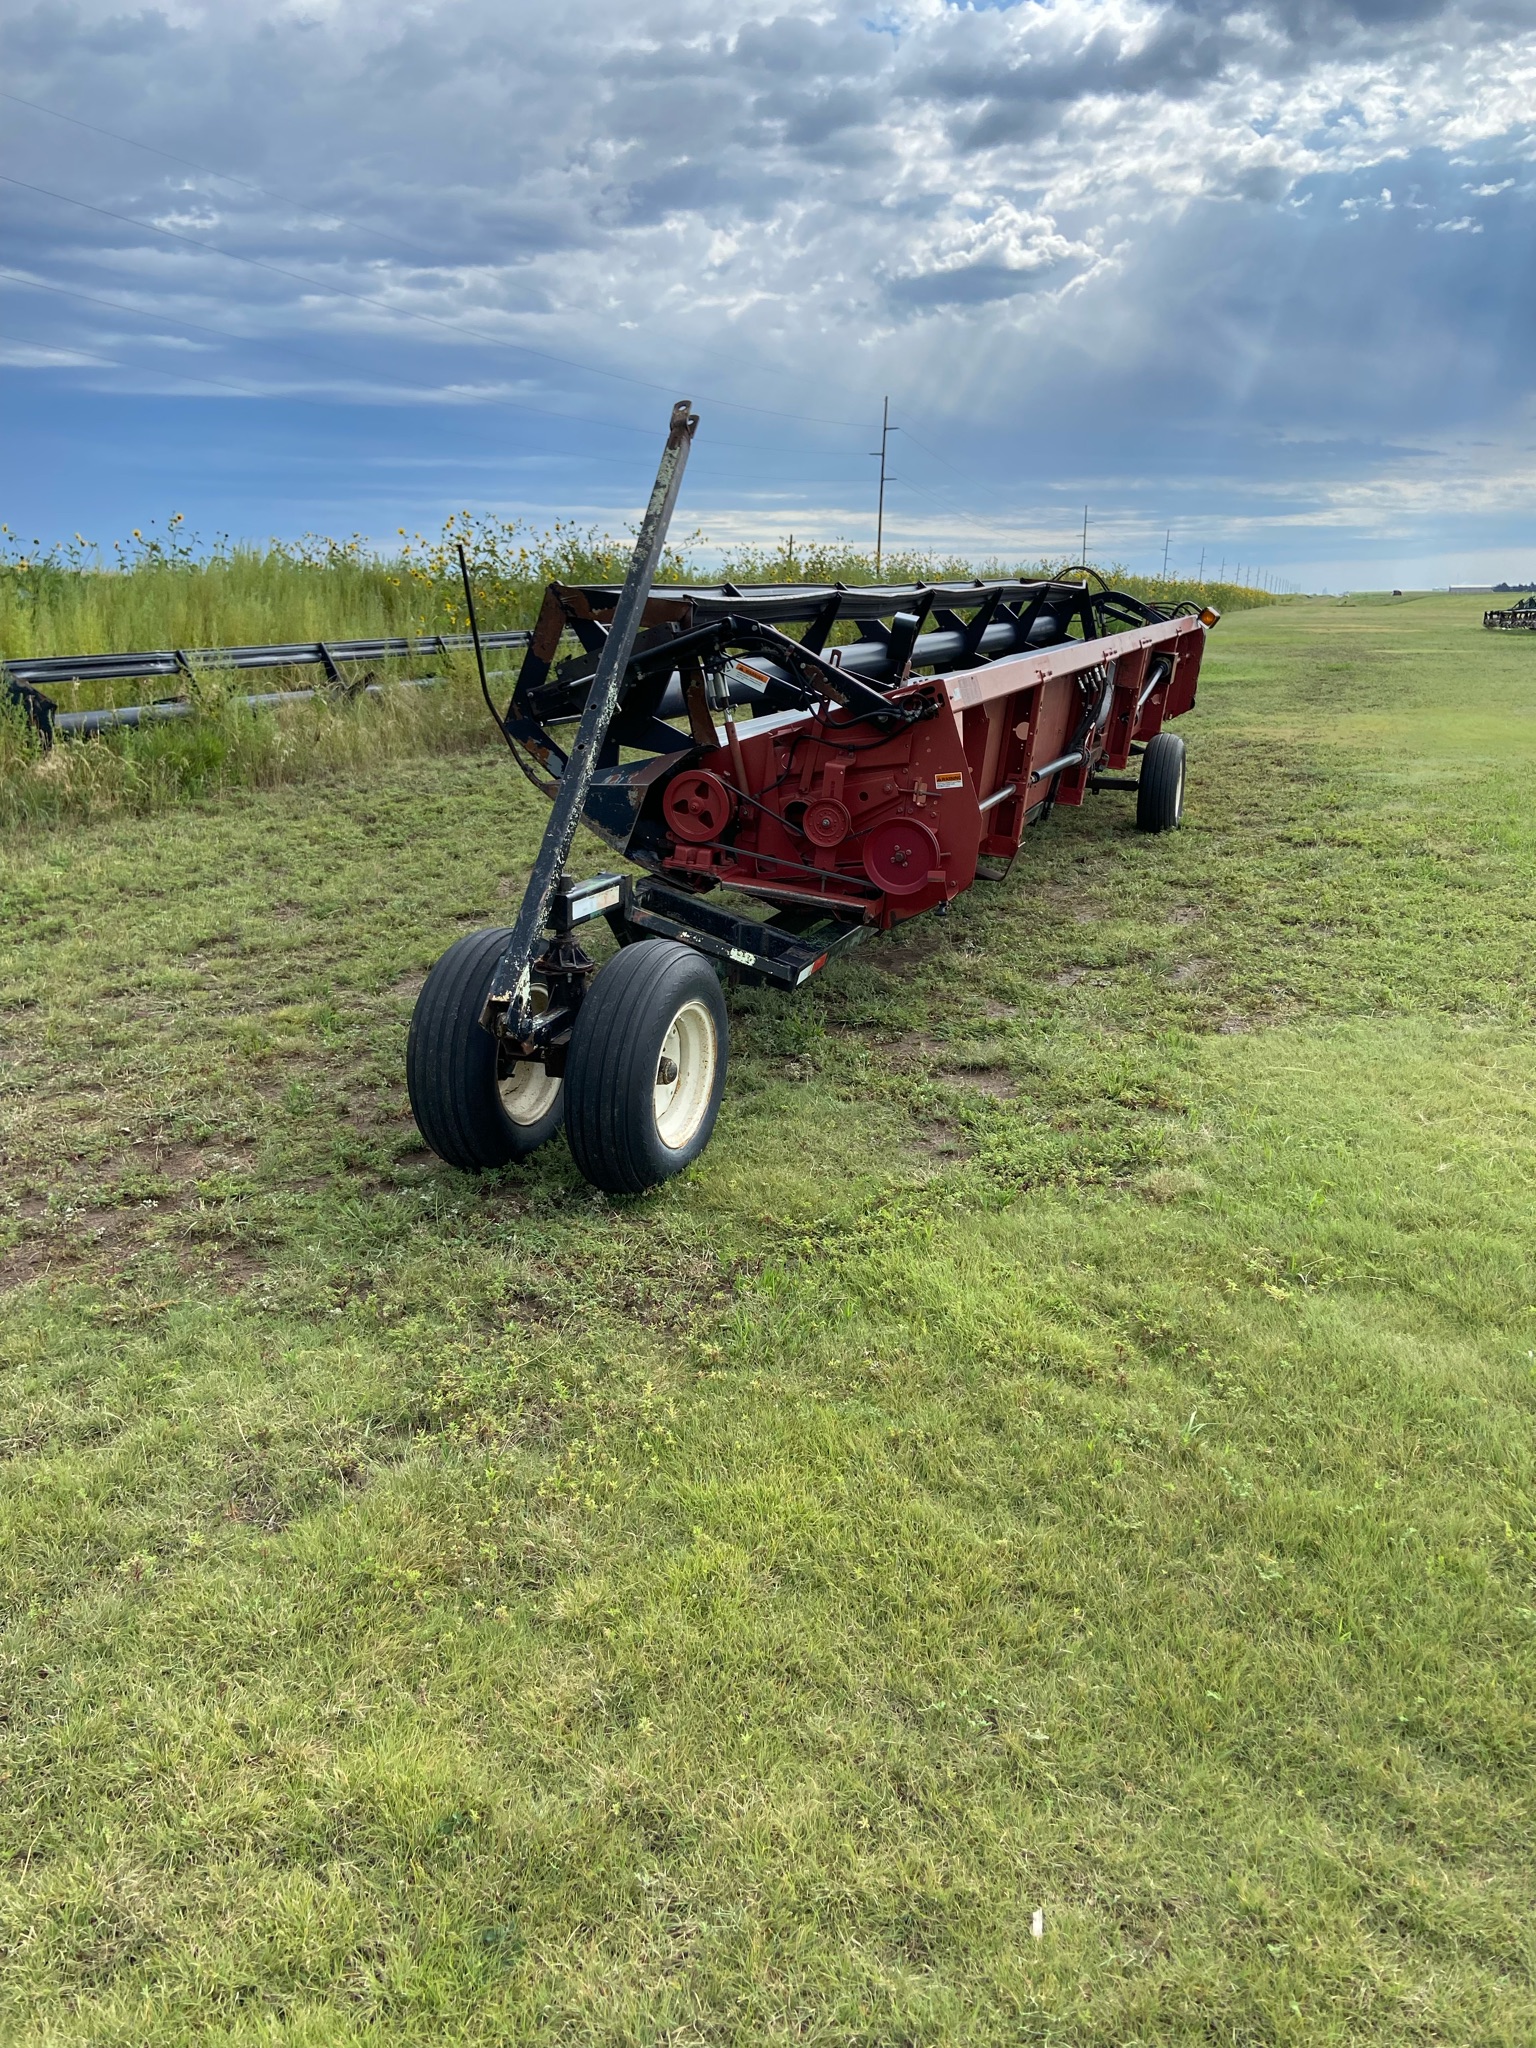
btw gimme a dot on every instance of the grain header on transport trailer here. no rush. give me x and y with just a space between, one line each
842 788
1519 618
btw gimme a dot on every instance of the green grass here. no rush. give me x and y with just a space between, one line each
1067 1446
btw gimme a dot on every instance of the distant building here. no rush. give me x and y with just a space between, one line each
1472 589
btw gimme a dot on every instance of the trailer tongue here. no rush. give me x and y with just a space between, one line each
843 784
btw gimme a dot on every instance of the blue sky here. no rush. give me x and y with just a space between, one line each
1265 278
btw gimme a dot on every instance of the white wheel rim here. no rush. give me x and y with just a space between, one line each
528 1091
690 1053
1178 796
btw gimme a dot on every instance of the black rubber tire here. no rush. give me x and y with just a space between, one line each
1160 793
611 1068
451 1065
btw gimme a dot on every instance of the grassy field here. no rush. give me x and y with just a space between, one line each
1067 1448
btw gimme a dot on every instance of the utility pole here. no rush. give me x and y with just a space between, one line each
1167 537
1200 579
1083 557
885 435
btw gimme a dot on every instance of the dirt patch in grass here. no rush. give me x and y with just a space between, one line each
22 1263
951 1066
96 1217
187 1163
906 955
237 1268
92 1243
997 1082
941 1142
669 1293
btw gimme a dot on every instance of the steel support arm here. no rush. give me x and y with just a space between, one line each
509 1007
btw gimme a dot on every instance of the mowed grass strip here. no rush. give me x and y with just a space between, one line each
1066 1448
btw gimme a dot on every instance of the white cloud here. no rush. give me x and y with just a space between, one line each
1044 228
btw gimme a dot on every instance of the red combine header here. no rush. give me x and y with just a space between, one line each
735 744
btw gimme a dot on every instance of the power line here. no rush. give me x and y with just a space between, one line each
965 475
408 312
965 518
995 537
453 328
256 341
450 327
147 369
244 391
287 347
207 171
369 228
941 494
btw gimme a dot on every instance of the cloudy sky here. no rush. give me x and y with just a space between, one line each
1265 279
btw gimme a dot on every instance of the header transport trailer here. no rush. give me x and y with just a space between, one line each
782 793
1519 618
